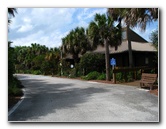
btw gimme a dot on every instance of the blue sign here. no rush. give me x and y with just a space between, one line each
113 61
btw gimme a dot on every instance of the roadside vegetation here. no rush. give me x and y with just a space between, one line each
14 85
40 60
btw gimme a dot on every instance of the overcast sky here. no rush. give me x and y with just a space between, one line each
47 26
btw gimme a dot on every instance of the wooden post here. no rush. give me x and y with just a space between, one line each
114 78
114 75
135 73
125 76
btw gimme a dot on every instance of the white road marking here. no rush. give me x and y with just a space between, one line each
16 106
144 89
92 82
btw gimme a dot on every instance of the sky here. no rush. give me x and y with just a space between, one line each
47 26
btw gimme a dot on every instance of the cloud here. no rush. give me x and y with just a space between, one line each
57 17
54 23
149 29
50 40
88 13
47 26
26 41
25 28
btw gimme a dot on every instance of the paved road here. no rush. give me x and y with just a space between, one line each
51 99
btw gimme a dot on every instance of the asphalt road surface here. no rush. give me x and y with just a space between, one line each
51 99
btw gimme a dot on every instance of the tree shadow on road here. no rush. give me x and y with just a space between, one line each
42 100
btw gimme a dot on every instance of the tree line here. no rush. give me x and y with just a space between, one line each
36 59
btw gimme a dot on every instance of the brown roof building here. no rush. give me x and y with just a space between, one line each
143 52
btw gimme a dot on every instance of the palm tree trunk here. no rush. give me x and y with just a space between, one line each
129 48
76 60
107 60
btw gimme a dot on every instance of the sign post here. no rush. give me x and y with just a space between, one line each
113 63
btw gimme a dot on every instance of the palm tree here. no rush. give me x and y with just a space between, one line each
52 57
134 17
154 39
75 43
102 31
11 12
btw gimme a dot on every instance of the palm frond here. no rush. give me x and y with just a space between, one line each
12 11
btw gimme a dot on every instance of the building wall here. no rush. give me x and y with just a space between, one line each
139 59
144 59
122 59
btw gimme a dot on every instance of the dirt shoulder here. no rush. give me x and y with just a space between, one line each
134 83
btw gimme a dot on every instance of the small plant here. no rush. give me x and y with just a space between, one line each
152 71
130 77
72 73
102 76
92 76
120 77
139 74
37 72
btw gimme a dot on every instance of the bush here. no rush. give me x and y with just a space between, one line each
139 74
120 77
130 77
17 83
27 71
14 88
92 62
102 77
14 91
91 76
37 72
72 73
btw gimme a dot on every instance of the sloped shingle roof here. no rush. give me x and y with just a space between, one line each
136 46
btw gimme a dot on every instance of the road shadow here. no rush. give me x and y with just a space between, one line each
43 98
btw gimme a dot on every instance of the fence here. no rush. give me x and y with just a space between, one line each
127 69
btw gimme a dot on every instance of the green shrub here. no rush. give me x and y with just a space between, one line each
138 74
17 83
92 62
102 76
14 88
120 77
28 72
92 75
15 91
152 71
83 77
72 73
37 72
130 76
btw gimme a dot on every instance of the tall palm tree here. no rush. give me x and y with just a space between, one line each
134 17
75 43
102 31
